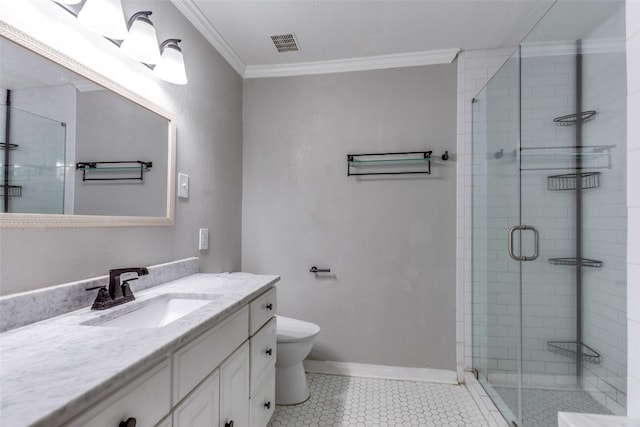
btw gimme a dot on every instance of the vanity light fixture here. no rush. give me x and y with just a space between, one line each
170 68
137 38
141 43
105 17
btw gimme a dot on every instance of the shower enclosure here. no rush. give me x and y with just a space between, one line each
549 220
32 167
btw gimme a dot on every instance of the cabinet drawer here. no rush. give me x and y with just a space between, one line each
261 310
263 352
147 399
193 362
263 402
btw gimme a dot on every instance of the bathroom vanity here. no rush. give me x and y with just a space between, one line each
213 366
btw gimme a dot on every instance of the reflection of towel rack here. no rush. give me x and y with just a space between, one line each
125 167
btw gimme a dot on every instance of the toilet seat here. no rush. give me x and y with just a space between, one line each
293 330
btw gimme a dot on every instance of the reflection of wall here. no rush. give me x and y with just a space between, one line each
208 115
41 193
112 128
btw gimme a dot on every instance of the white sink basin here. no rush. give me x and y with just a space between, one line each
157 314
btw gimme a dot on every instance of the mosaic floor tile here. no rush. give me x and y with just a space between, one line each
541 407
368 402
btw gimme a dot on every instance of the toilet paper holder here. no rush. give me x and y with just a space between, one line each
316 270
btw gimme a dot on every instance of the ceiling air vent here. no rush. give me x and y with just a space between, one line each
285 43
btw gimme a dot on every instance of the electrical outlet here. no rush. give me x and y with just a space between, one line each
203 241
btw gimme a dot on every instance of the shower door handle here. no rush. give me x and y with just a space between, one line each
512 231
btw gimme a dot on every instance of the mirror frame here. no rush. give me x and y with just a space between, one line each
25 220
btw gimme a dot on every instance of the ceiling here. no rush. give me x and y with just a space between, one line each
344 35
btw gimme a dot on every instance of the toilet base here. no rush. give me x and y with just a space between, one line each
291 385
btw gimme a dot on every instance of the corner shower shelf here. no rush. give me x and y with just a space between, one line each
568 181
381 163
5 146
572 119
11 190
573 261
122 167
570 349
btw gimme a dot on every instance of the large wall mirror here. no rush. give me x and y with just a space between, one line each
77 149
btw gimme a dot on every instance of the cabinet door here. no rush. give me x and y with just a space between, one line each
201 408
234 388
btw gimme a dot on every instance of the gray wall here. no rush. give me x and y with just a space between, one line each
390 242
208 112
112 128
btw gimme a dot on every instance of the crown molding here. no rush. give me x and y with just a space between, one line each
202 24
412 59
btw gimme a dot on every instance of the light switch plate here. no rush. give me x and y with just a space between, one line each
203 241
183 185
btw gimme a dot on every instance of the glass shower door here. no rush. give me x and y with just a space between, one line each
573 141
549 220
496 208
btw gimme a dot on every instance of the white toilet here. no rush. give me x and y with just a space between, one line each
295 340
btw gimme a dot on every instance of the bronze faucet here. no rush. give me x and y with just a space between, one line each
118 293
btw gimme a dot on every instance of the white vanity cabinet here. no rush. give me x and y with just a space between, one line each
224 377
263 358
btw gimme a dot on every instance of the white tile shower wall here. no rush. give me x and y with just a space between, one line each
45 190
474 70
633 204
605 223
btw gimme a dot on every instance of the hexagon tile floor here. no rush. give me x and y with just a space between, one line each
368 402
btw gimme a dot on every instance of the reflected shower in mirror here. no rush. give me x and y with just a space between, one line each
61 135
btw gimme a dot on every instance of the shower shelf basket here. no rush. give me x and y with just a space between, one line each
11 190
569 349
572 119
569 181
5 146
585 262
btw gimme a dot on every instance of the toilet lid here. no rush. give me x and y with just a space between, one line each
289 329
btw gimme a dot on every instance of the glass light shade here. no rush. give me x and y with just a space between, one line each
170 68
105 17
141 43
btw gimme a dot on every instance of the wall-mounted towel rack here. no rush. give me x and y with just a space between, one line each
98 169
399 163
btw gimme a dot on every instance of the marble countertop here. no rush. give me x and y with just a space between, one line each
54 369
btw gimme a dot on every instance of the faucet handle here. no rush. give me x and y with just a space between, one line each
101 301
126 290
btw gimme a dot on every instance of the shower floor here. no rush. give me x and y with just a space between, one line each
541 406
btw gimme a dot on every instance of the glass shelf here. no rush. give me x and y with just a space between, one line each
398 163
383 161
95 168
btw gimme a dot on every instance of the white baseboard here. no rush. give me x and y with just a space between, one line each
441 376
